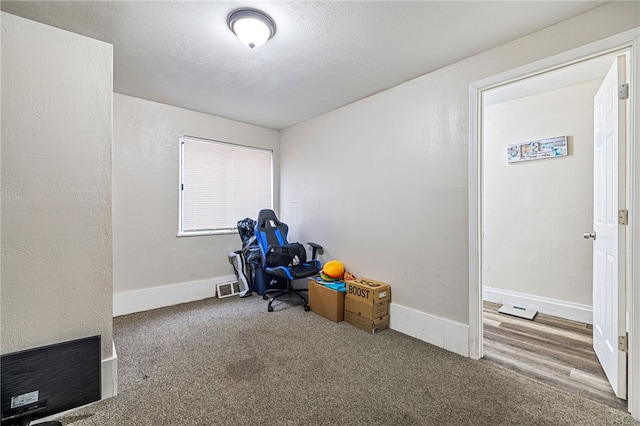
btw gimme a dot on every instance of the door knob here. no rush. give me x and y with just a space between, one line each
589 235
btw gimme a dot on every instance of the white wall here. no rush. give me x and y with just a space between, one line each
153 267
382 183
56 186
535 212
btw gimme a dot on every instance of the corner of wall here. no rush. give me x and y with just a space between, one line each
110 374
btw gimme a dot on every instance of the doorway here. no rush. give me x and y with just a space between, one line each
535 211
543 69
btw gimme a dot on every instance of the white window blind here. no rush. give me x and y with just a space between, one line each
221 183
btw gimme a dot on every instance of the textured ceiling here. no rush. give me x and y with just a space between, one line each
325 54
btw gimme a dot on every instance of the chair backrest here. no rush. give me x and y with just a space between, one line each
270 231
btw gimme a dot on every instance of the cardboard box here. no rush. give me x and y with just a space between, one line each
361 307
326 302
369 325
373 292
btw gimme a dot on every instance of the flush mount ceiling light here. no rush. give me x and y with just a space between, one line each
252 26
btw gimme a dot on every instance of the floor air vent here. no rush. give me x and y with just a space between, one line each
517 311
227 289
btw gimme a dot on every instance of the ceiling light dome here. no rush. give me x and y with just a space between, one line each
252 26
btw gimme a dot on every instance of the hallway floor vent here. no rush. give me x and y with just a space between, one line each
517 311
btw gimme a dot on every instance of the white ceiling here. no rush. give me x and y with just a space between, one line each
325 54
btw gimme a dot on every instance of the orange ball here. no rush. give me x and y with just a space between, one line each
333 269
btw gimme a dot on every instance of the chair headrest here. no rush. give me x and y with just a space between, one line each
267 219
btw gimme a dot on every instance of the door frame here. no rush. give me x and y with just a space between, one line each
628 40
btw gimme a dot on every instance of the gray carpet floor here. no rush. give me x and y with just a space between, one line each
230 362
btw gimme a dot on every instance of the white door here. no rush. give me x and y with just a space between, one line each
608 246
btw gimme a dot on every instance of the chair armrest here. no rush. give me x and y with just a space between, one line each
315 248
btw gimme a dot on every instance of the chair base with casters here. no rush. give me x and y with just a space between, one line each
303 273
282 259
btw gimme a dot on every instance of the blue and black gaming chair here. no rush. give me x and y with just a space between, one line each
282 259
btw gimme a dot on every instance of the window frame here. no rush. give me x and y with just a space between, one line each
222 231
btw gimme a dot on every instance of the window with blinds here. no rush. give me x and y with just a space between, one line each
221 183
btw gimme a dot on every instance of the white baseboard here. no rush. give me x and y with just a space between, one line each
544 305
440 332
110 375
128 302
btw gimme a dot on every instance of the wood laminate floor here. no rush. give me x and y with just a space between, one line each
551 350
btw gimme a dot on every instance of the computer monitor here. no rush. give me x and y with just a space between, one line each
47 380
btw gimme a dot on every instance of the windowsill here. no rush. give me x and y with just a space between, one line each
204 233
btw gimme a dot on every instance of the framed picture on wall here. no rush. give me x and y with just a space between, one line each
537 149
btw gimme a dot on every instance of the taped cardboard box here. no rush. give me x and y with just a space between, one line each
369 325
369 291
365 309
326 302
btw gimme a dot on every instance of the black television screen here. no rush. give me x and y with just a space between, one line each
47 380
